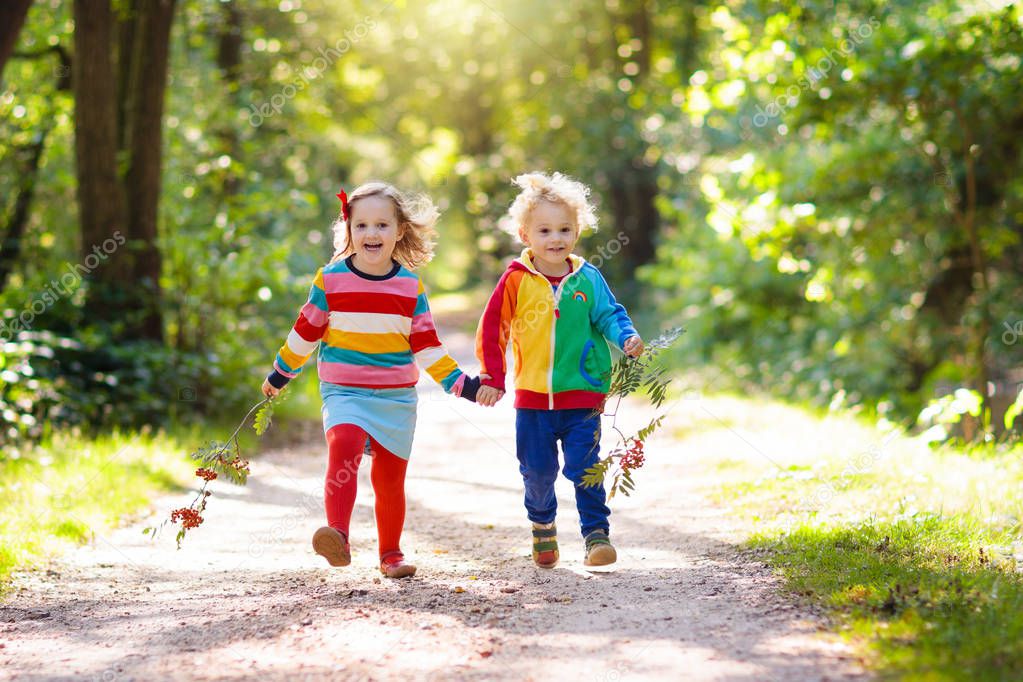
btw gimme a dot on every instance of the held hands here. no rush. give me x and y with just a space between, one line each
268 390
488 395
633 346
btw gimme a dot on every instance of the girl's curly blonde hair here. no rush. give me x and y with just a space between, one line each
416 219
557 188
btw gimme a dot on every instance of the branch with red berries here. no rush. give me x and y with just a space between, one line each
627 376
216 459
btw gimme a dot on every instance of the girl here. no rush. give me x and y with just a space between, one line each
368 315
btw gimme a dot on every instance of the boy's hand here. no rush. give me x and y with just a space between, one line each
633 346
488 395
268 390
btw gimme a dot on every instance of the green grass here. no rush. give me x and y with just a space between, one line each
923 595
915 553
62 491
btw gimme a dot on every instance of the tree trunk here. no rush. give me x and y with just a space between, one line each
229 43
142 139
118 115
633 193
100 194
126 26
12 18
229 61
633 181
10 248
982 376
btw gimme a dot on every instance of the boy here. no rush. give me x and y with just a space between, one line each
560 315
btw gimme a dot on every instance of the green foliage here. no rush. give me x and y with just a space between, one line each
947 413
225 458
264 417
648 430
627 376
1015 410
52 382
234 264
820 244
596 474
818 171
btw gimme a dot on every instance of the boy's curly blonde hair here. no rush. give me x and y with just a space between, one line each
557 188
416 218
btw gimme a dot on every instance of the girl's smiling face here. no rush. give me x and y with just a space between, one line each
374 231
550 231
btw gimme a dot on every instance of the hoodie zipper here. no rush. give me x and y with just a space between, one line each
556 297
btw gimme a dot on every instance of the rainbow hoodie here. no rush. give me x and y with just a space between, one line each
559 336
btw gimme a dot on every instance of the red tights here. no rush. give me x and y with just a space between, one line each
345 443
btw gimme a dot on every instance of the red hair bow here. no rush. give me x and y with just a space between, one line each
344 204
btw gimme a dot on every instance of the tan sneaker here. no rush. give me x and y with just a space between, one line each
599 550
545 545
332 545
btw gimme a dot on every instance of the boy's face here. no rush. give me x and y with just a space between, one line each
374 232
550 231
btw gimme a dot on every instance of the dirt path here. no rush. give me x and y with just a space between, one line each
246 598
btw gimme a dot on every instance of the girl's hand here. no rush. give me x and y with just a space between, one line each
633 346
268 390
488 396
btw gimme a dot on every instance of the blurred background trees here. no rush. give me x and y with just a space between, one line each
827 194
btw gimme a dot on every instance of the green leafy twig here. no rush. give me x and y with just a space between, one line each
216 459
627 376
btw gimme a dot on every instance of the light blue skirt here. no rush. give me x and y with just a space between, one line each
386 414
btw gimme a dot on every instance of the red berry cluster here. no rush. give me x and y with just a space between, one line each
206 474
239 465
632 458
190 518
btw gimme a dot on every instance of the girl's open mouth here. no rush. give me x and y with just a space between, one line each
373 248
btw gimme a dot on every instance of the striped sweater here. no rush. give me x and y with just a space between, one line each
371 331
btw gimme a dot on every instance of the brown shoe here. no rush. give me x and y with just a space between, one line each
333 546
599 550
393 566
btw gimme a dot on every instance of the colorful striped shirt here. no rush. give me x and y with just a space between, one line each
371 331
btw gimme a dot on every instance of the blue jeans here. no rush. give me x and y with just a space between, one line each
537 433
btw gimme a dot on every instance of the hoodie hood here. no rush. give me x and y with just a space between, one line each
525 262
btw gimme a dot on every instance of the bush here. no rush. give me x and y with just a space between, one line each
51 382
